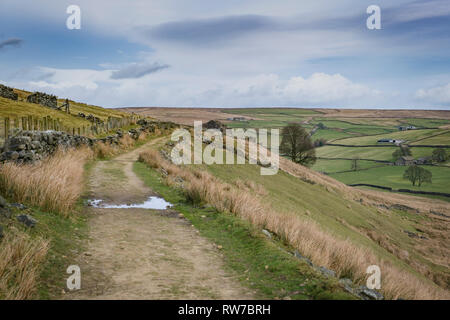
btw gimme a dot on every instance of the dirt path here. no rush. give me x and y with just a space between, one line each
146 254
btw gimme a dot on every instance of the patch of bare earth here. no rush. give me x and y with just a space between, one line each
146 254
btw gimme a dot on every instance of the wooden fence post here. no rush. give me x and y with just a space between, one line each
6 128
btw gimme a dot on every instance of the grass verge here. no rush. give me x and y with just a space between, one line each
322 247
259 263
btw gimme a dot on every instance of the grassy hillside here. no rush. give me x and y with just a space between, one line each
21 108
381 231
337 126
384 232
258 262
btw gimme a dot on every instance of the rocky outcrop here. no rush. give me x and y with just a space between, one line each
5 211
27 220
8 93
44 99
10 210
151 125
214 124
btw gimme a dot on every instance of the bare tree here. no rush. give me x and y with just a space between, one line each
297 144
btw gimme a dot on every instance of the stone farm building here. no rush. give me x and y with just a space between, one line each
405 161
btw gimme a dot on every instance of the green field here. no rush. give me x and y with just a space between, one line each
357 131
355 128
439 139
332 166
408 136
425 123
373 153
392 176
330 134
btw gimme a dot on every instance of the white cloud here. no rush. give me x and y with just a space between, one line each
438 95
165 89
259 67
319 89
62 79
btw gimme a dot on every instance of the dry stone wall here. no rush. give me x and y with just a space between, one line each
30 146
44 99
8 93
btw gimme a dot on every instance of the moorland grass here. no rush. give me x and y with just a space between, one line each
322 247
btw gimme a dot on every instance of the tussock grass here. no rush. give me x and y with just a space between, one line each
20 261
151 158
252 186
323 248
53 184
126 142
104 150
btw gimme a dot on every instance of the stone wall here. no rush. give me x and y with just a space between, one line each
30 146
44 99
7 92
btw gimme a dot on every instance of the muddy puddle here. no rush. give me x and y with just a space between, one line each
156 203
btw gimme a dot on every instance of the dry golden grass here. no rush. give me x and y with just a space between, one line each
323 248
184 116
142 136
151 158
20 259
126 142
104 150
252 186
53 184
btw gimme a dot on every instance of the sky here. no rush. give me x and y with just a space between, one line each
246 53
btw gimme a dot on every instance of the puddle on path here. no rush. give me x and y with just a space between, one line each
153 202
